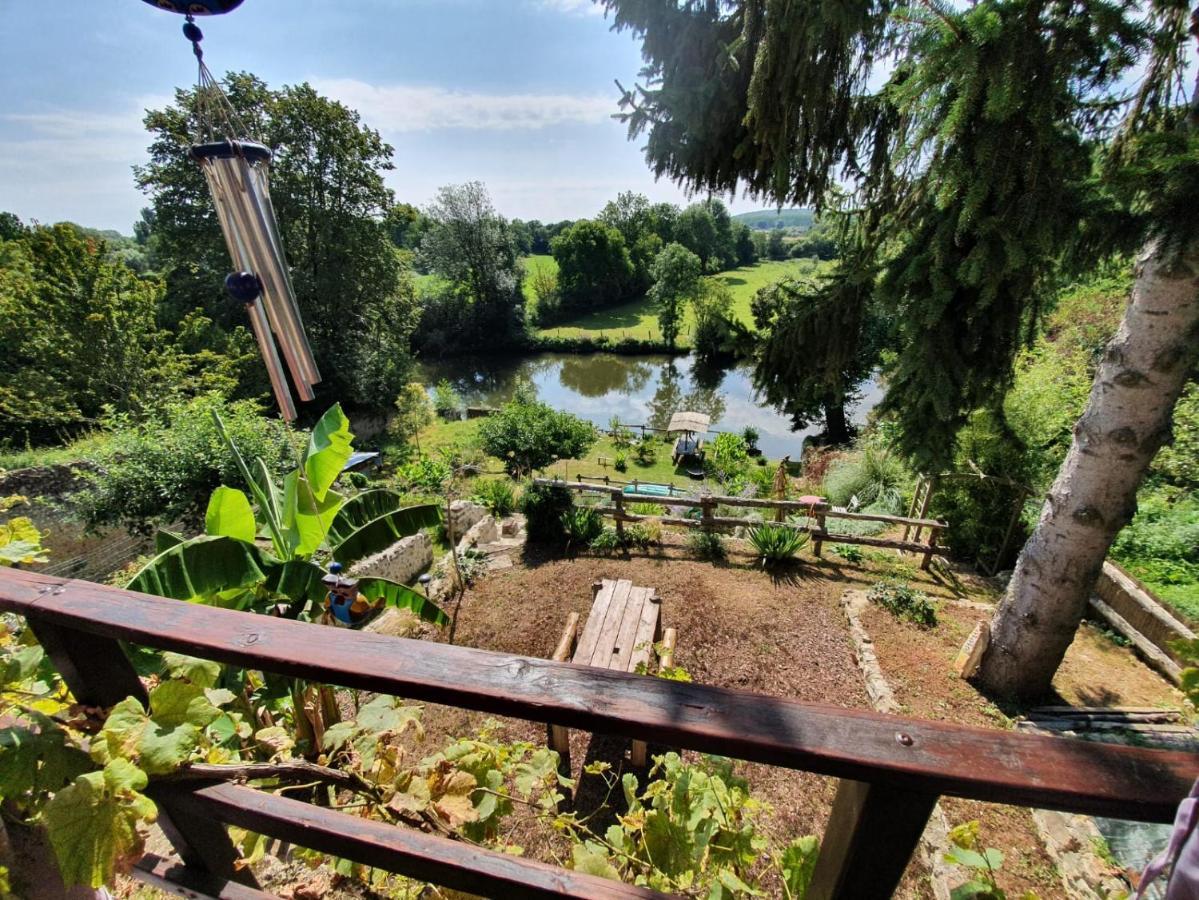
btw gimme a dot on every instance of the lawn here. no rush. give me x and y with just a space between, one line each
638 319
661 471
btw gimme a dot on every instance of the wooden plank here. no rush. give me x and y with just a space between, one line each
924 756
647 632
172 876
871 834
595 622
611 628
626 639
454 864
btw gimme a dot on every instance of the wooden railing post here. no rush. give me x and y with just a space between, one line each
618 511
705 509
818 515
932 548
99 673
872 831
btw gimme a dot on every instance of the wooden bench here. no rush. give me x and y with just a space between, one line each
621 630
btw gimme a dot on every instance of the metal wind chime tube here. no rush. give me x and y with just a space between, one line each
238 175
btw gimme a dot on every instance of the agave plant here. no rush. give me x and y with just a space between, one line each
301 518
776 544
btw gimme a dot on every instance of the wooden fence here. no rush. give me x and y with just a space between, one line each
892 768
816 516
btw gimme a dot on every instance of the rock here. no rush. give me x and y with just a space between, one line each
463 515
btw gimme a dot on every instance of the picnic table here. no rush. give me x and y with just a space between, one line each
621 630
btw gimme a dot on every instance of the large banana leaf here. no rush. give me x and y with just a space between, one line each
260 485
360 510
299 580
397 595
328 451
165 540
382 532
204 568
229 514
306 519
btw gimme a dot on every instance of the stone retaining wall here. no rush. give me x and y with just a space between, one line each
402 561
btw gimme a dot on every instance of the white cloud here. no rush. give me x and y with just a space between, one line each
573 7
401 108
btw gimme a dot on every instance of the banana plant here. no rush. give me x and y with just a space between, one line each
300 519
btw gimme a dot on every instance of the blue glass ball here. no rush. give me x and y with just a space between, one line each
335 567
243 286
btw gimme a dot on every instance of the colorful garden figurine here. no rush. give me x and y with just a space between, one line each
343 601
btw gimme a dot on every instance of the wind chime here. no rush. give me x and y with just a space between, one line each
238 174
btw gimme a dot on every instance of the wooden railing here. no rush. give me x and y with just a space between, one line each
892 769
815 514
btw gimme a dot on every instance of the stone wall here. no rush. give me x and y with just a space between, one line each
463 515
402 561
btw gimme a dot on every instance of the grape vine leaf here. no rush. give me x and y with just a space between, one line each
590 858
93 823
163 740
35 758
202 672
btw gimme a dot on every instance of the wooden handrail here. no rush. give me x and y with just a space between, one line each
882 759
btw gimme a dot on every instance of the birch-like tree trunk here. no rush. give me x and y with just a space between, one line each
1128 417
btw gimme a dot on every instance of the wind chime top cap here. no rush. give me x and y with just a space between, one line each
230 149
197 7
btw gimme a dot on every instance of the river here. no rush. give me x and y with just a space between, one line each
636 389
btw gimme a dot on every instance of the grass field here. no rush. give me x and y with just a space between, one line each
638 319
443 434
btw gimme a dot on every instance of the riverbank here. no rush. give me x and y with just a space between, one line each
637 320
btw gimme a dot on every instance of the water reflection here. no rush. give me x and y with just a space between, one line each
646 388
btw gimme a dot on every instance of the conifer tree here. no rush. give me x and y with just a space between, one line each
982 171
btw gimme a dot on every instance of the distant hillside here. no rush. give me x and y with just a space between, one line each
772 218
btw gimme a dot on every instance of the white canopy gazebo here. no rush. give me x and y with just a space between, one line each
691 425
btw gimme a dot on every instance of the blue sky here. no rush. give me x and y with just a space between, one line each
515 93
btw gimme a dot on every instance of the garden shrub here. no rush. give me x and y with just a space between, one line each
871 477
543 506
727 460
707 545
1160 547
620 462
425 475
164 469
848 552
978 512
496 495
904 602
607 541
446 400
528 435
580 526
643 535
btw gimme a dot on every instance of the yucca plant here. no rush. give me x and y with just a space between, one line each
776 544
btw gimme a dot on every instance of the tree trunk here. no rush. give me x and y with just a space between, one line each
836 428
1128 417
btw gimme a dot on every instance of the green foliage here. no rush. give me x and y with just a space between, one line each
715 330
848 552
164 468
830 319
355 292
750 435
425 475
691 830
496 495
20 541
904 602
1178 462
982 863
594 266
706 544
1160 546
646 451
978 511
676 273
81 337
302 517
543 506
530 435
581 525
776 544
446 400
620 462
727 460
477 301
875 475
413 413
